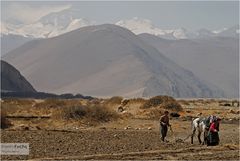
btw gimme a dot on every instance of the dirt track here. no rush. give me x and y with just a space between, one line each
98 143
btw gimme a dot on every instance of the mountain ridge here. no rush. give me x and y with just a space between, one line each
214 59
92 65
12 80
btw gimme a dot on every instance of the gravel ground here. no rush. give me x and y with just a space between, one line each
107 143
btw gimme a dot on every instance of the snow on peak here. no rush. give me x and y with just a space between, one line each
58 23
180 33
139 26
77 23
39 29
50 25
219 31
73 25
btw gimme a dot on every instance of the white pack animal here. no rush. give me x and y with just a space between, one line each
199 125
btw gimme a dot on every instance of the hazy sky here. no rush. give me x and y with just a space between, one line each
174 14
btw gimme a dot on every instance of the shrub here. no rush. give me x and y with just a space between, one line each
101 113
72 112
91 113
174 106
137 100
157 101
155 113
114 100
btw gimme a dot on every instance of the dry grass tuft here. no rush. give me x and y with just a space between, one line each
114 100
157 101
137 100
173 106
155 113
92 113
155 107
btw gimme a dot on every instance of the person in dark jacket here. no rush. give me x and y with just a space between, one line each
164 123
213 137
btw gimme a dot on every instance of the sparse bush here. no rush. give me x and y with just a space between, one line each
114 100
137 100
157 101
72 112
155 107
174 106
155 113
101 113
94 113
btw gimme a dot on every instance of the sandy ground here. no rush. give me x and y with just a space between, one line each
112 141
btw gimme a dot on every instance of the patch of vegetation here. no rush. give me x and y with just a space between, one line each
157 101
173 106
95 113
114 100
155 113
137 100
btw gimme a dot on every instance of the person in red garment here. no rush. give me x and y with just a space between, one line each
213 137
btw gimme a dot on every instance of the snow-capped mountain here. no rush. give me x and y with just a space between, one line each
139 26
224 32
57 23
230 32
205 33
14 34
51 25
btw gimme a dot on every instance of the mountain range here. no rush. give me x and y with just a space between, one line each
208 59
105 60
54 24
57 23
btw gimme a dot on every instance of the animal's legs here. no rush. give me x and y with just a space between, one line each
205 137
193 133
199 137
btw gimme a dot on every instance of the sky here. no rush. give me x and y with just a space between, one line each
192 15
